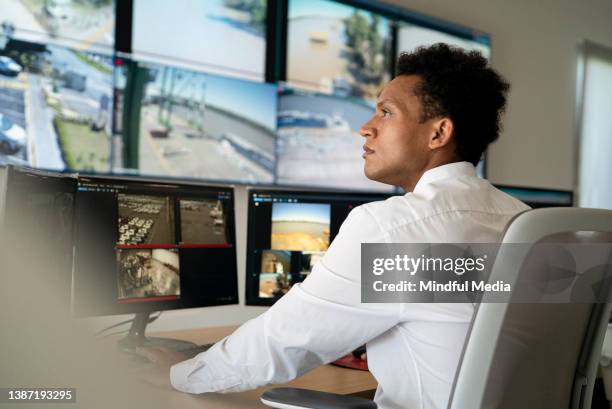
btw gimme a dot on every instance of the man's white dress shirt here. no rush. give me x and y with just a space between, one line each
413 349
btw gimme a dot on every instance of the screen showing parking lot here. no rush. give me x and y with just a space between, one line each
55 107
144 246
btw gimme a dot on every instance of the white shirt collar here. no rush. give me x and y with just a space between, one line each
450 170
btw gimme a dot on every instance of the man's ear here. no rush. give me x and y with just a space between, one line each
443 133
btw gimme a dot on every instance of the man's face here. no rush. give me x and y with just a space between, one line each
396 142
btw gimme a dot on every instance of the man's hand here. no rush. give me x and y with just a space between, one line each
162 359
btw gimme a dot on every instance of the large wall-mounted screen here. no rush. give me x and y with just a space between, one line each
226 37
318 141
81 24
55 105
411 36
197 125
337 49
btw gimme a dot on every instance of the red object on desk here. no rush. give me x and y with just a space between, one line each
349 361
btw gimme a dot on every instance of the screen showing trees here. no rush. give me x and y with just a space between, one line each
337 49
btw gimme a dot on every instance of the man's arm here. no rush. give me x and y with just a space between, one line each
315 323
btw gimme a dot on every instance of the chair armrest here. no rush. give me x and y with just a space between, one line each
294 398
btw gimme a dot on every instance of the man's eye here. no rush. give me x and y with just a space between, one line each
385 113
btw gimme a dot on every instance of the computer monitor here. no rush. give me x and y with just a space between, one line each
144 246
222 37
338 49
288 232
56 104
36 224
191 124
537 198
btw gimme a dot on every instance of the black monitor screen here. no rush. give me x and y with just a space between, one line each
288 232
537 198
38 224
146 246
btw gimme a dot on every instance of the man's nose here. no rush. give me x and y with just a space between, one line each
367 130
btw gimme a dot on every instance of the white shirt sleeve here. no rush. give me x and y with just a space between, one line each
315 323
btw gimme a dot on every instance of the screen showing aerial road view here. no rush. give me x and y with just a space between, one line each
81 24
221 36
201 126
337 49
300 226
55 105
318 141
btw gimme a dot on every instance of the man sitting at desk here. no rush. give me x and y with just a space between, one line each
432 123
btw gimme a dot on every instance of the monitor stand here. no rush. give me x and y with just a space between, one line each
136 337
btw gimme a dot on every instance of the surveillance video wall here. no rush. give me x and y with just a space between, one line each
203 90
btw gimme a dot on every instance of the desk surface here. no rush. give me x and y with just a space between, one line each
327 378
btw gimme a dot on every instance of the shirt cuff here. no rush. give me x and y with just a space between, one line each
179 374
204 374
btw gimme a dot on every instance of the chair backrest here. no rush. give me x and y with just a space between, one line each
526 355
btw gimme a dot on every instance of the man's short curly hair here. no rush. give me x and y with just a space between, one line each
458 84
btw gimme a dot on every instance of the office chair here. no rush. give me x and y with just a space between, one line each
517 355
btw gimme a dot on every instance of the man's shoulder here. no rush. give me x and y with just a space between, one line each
393 210
437 201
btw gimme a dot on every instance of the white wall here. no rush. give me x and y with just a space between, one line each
534 45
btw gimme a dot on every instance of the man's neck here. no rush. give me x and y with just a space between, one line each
414 179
